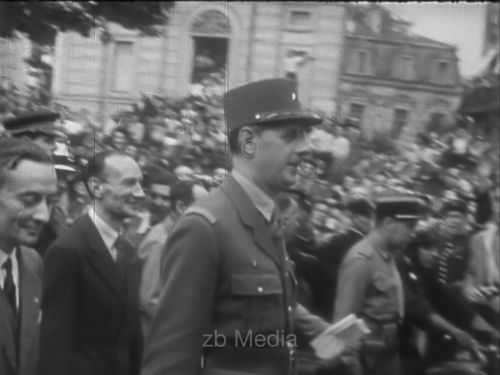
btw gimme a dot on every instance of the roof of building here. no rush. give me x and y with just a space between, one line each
389 30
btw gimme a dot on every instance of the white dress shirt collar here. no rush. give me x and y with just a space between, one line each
262 201
108 234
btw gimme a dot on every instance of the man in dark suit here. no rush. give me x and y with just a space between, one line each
27 191
227 304
90 309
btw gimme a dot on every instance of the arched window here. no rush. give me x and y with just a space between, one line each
211 32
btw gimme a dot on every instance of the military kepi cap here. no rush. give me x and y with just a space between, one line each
360 206
400 208
34 122
264 102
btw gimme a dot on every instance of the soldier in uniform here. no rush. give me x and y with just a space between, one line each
370 287
227 304
331 254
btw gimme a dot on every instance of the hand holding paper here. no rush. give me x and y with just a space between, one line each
330 343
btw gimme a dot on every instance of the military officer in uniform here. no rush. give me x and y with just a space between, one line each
227 304
370 286
330 255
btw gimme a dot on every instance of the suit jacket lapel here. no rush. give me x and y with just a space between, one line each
252 218
100 258
30 292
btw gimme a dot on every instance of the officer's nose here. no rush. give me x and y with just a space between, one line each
305 145
42 211
138 192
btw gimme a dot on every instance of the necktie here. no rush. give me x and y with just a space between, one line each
9 287
122 246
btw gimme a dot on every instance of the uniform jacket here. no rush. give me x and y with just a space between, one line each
222 273
370 287
91 320
30 280
368 284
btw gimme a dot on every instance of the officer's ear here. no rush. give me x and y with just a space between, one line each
247 139
179 207
387 223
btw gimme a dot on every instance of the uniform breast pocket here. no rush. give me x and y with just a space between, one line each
383 283
264 294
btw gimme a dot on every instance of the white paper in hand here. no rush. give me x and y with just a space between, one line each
334 339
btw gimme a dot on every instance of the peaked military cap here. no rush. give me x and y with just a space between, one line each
262 102
33 122
405 208
360 206
64 164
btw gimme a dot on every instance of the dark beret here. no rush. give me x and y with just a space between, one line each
159 175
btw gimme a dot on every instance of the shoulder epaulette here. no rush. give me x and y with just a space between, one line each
202 212
363 251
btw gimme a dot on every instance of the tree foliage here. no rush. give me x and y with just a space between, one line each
41 20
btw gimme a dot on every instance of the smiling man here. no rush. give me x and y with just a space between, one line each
223 275
90 311
27 193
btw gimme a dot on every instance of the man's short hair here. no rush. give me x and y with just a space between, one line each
96 167
14 150
182 191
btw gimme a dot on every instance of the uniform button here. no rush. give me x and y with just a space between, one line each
287 258
254 263
289 308
260 289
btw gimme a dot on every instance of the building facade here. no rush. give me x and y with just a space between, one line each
481 101
394 82
245 41
13 69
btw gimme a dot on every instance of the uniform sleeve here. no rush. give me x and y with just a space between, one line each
351 287
308 323
59 311
150 280
188 279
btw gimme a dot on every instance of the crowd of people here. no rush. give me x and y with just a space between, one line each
162 156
